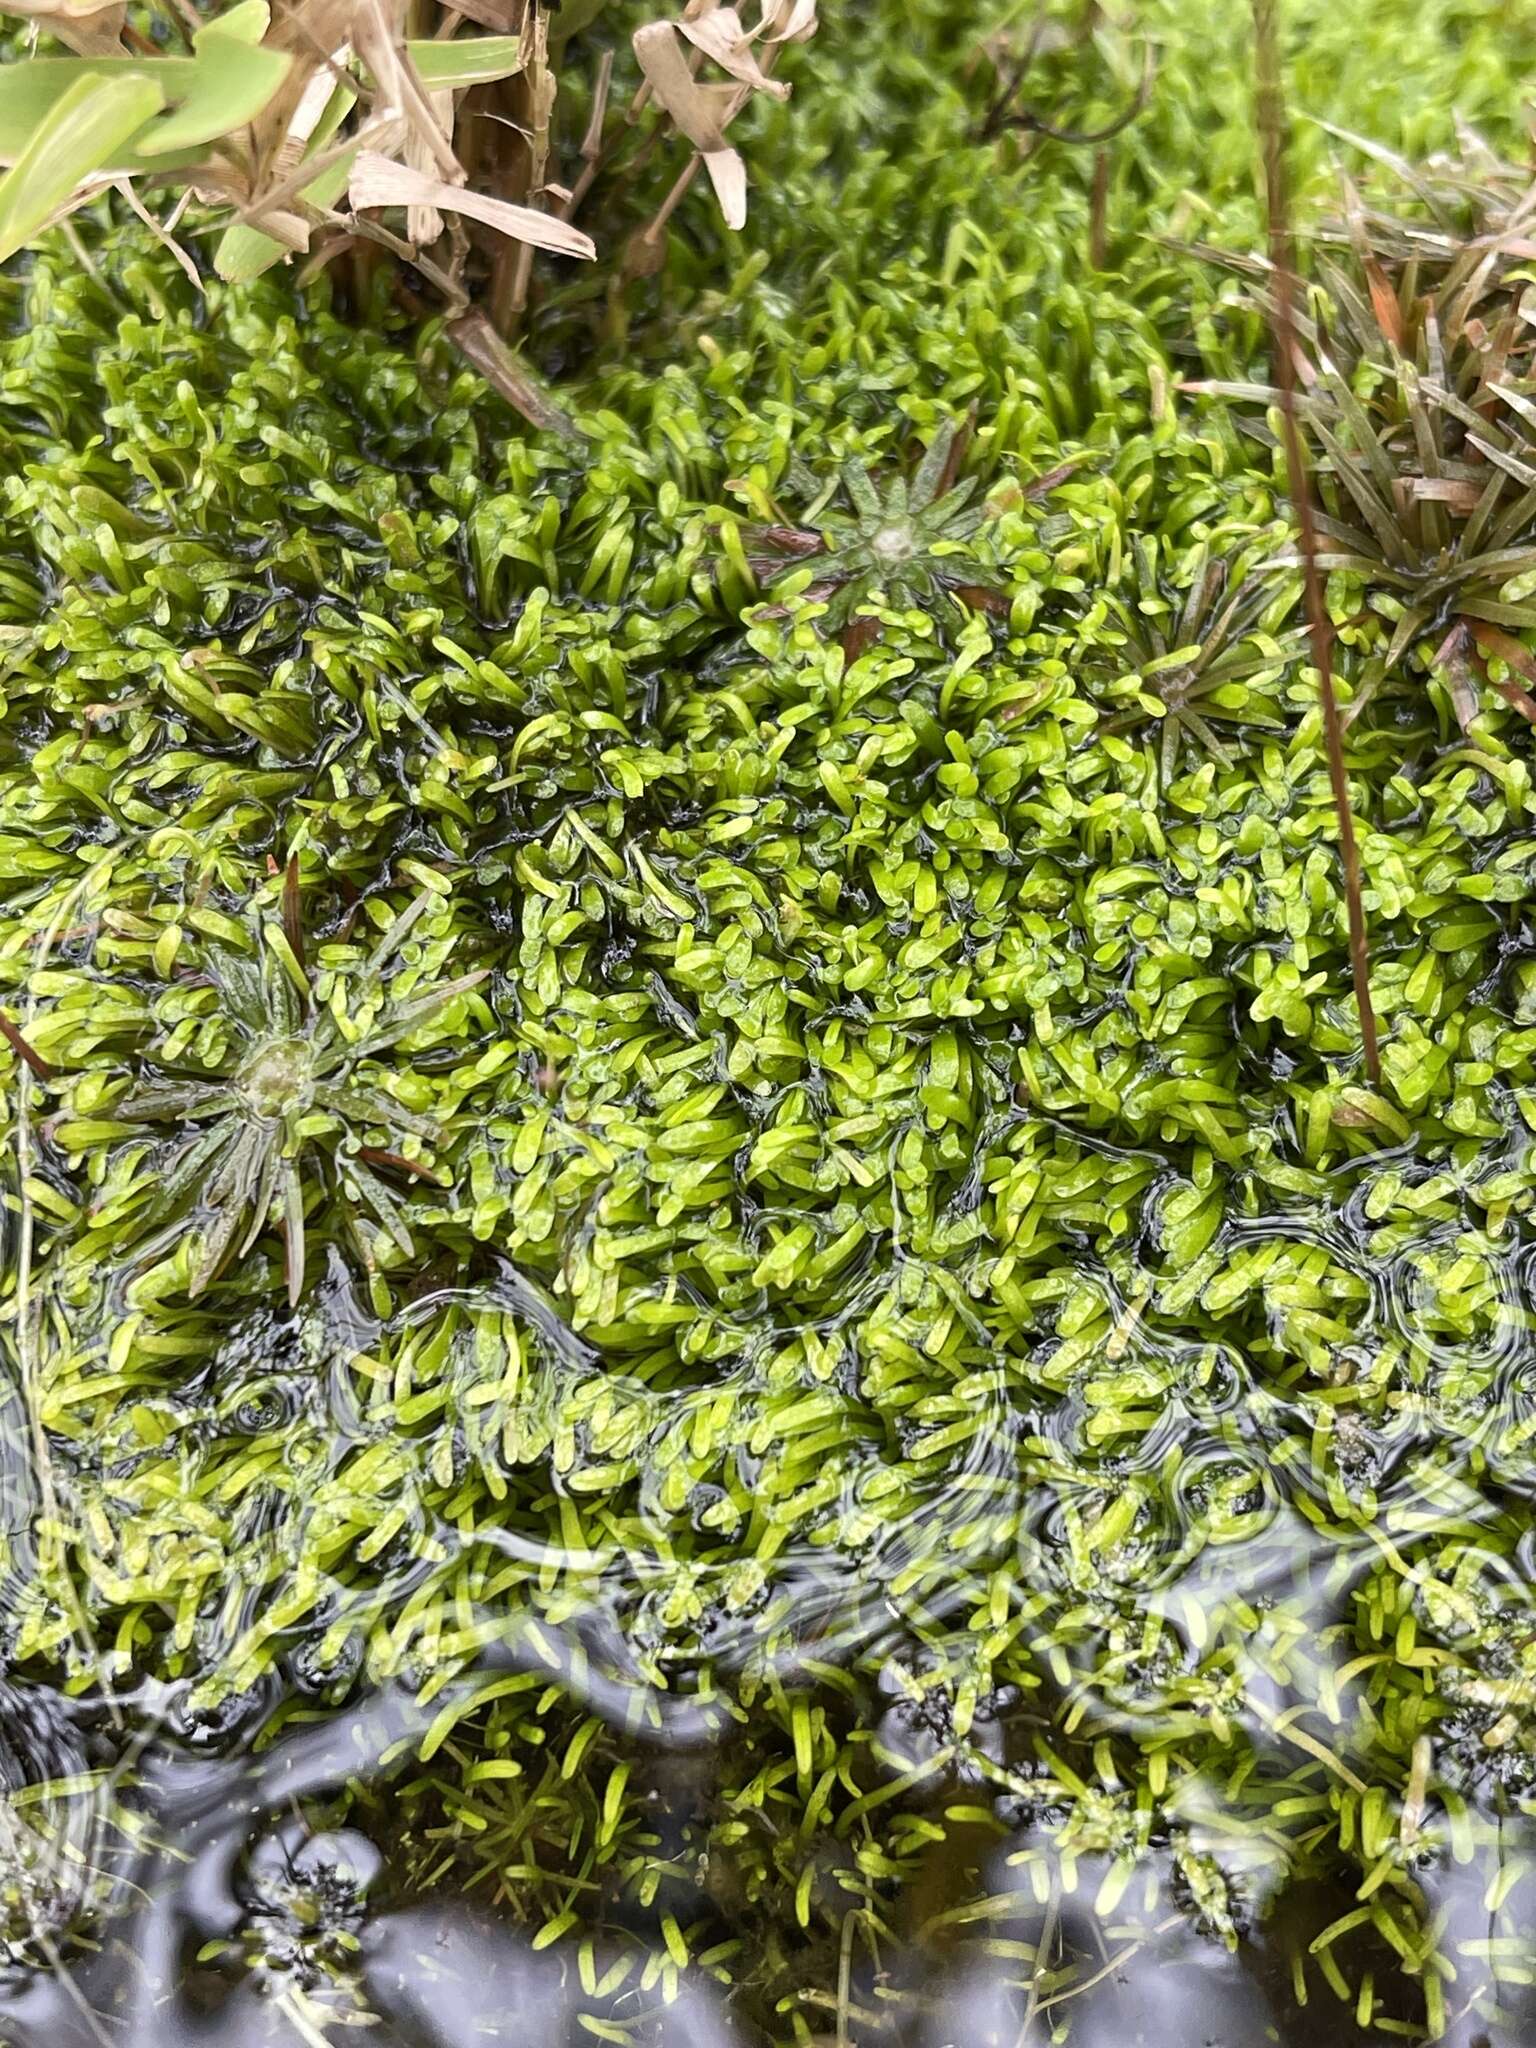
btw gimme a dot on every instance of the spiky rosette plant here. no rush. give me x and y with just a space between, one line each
1419 431
285 1107
1448 241
904 539
1193 651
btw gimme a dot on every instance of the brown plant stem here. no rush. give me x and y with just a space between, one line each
1282 254
473 335
18 1044
1491 640
592 141
1098 212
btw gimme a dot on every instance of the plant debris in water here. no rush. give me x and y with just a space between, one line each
784 1231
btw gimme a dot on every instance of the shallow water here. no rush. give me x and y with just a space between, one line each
262 1867
1085 1591
246 1933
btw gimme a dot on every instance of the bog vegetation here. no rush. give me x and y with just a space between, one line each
686 1080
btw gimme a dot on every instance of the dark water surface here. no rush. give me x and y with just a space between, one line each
254 1873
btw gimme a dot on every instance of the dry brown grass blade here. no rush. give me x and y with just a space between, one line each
1282 252
720 35
699 111
788 21
423 224
162 235
376 36
501 17
380 181
311 30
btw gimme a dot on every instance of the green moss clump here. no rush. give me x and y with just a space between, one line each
897 1386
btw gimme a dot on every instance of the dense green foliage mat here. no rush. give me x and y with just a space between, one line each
769 1200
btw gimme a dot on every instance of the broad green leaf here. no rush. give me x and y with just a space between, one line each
219 90
81 134
475 60
32 88
233 83
246 23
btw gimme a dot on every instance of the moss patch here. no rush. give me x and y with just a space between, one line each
857 1237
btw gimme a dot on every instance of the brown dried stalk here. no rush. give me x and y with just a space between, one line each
1282 255
476 339
18 1044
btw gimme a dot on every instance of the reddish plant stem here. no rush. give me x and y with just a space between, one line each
41 1067
1098 212
1282 254
1489 640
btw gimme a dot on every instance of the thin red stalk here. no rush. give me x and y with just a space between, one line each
23 1051
1282 253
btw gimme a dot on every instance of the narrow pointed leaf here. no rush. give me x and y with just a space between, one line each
382 1203
293 1232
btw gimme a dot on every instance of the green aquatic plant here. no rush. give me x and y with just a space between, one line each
936 1431
909 1218
276 1099
904 539
1196 652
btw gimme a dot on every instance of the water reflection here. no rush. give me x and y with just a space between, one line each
1186 1691
270 1924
